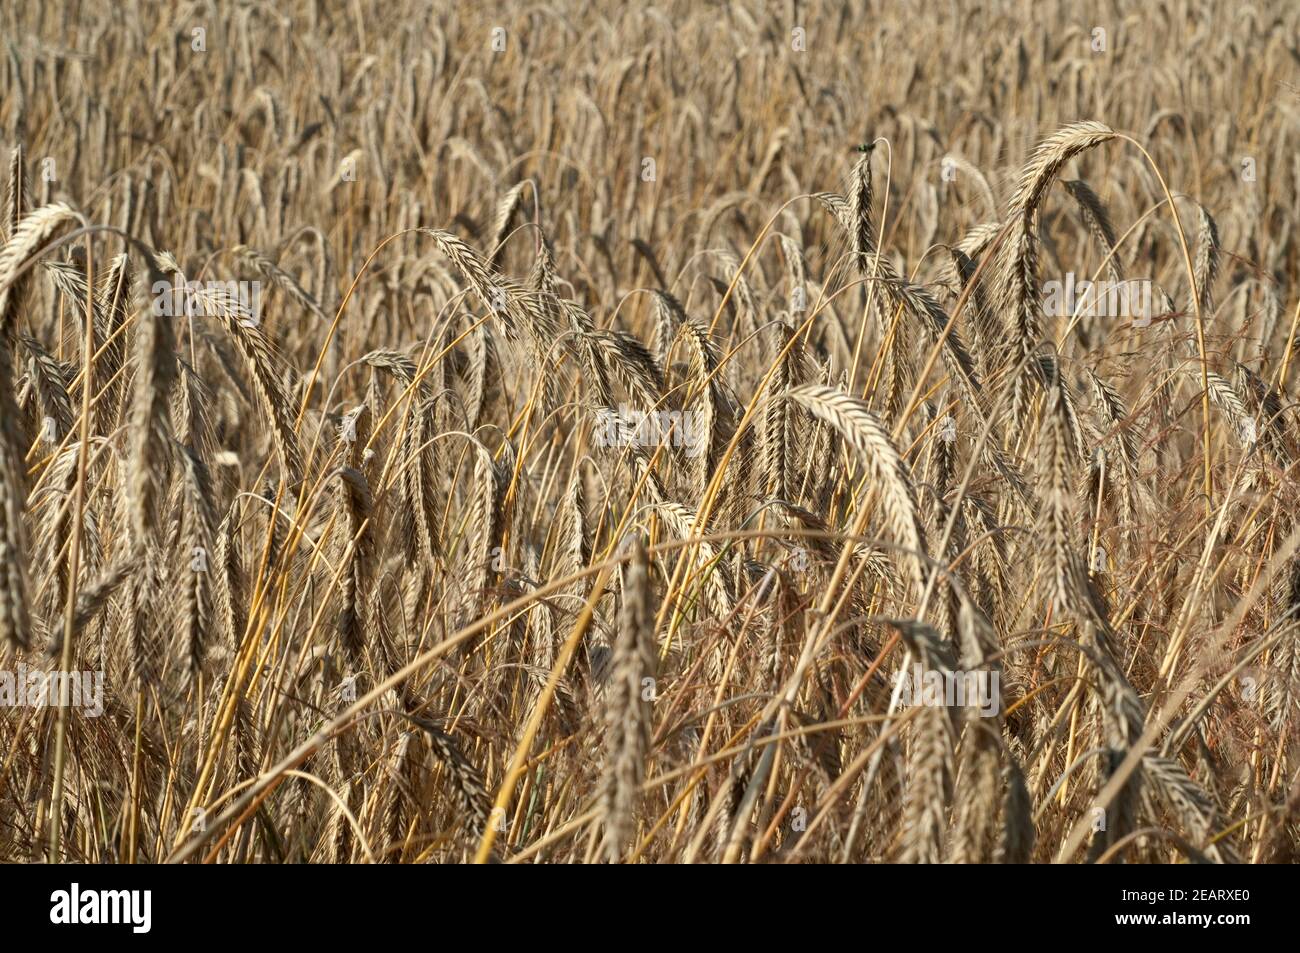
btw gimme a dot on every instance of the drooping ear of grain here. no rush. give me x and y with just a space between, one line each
15 624
1206 268
194 608
780 445
930 757
27 233
150 432
1015 280
259 359
864 433
1097 220
628 705
355 552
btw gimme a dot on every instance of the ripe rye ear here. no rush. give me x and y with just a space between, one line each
627 708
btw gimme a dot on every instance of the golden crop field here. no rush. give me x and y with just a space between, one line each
689 433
